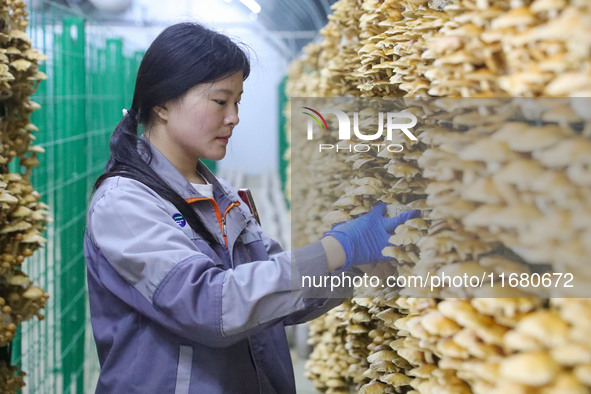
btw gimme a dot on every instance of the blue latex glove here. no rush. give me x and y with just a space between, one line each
364 238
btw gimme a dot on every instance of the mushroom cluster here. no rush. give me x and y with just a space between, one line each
504 186
11 379
328 364
352 185
518 179
23 216
461 47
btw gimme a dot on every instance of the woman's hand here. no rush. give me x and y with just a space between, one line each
363 239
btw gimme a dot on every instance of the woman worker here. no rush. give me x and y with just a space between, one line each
187 294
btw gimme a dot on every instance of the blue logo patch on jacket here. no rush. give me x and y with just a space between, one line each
179 219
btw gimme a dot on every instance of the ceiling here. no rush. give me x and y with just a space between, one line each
287 24
293 22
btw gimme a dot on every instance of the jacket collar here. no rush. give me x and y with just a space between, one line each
223 198
163 167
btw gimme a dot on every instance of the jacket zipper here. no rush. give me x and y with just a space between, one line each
221 218
222 222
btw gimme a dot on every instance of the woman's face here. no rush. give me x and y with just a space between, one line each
200 123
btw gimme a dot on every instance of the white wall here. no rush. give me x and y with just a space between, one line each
253 148
254 145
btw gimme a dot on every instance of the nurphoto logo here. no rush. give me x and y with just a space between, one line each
393 121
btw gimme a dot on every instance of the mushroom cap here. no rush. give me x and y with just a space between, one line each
33 293
12 51
447 347
500 264
37 76
571 354
509 129
346 201
551 182
580 174
583 373
535 138
361 317
545 326
519 172
29 162
30 104
486 370
383 355
488 150
483 216
420 203
356 329
401 186
368 181
364 190
335 217
12 177
388 316
531 368
21 211
564 153
417 223
516 216
36 149
547 5
19 35
408 237
482 190
437 324
565 83
359 210
14 227
31 127
470 268
383 367
395 252
8 198
424 371
33 236
459 310
515 17
373 387
19 280
402 170
335 383
361 162
562 114
396 379
21 64
34 55
39 216
519 341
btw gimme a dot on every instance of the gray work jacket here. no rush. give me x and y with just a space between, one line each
173 314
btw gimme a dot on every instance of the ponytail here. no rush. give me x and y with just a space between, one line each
126 161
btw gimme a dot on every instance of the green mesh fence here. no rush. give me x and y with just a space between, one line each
90 80
283 139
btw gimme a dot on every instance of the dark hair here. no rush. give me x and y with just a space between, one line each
182 56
